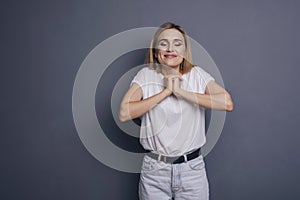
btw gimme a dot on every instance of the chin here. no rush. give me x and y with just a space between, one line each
172 64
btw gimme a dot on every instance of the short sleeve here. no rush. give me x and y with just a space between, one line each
139 78
203 78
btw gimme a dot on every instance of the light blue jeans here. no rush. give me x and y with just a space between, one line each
184 181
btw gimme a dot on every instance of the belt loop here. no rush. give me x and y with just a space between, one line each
159 157
185 158
165 159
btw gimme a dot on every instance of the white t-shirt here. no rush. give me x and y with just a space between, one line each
174 126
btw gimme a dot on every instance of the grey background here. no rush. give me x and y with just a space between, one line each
255 44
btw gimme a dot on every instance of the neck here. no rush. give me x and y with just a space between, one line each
170 70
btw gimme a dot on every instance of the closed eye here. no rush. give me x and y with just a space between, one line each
163 44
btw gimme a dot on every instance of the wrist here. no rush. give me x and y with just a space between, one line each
167 92
178 92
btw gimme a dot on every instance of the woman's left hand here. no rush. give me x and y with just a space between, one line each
177 87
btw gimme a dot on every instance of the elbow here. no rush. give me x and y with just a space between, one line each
123 115
229 107
229 103
122 118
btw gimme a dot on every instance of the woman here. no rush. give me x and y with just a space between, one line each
170 95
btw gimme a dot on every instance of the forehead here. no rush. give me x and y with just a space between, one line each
170 34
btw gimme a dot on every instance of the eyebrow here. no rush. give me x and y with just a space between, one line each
176 39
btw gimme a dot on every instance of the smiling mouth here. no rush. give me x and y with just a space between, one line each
170 56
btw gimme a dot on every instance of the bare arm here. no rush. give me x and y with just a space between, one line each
133 106
215 97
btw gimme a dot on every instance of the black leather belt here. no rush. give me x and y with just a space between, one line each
175 160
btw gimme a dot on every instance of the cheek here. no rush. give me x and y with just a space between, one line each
181 52
179 59
160 54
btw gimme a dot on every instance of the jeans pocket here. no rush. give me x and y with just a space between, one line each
148 164
197 163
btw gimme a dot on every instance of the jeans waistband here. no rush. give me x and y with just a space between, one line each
177 159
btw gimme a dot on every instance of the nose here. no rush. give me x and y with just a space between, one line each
170 48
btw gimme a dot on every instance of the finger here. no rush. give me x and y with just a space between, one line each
177 78
169 83
176 82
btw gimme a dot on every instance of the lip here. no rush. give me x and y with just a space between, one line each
170 55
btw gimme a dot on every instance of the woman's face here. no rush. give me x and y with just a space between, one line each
171 48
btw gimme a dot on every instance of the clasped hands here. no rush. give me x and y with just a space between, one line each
172 84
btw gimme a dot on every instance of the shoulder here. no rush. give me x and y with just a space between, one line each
145 75
147 72
197 69
199 74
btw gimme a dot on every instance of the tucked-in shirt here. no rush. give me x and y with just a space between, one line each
175 126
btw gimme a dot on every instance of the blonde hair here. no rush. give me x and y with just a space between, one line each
153 62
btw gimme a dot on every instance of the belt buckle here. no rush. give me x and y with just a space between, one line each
164 158
172 160
160 158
